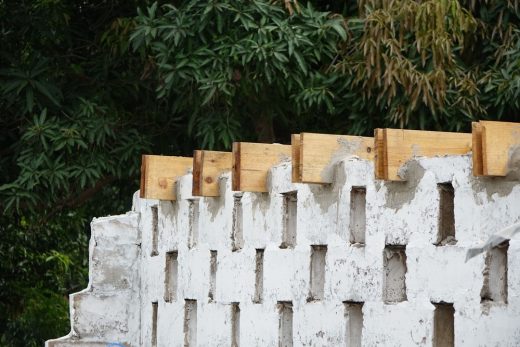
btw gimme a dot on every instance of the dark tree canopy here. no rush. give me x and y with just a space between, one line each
87 87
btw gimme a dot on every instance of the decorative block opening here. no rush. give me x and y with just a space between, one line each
317 269
290 208
358 219
259 276
193 223
212 275
394 289
354 319
494 288
446 228
443 325
235 324
155 230
285 324
237 235
190 323
170 276
154 324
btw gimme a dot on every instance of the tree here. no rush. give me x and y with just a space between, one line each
234 66
86 88
418 64
73 108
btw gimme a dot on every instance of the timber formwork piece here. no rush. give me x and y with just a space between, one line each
495 149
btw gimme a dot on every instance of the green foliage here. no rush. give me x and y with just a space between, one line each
334 67
247 62
429 64
73 108
86 88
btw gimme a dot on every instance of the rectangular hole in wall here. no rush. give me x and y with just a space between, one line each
290 204
358 221
212 275
235 324
259 276
154 324
285 324
155 230
190 323
237 235
395 273
194 223
494 288
354 317
446 231
443 325
317 275
170 276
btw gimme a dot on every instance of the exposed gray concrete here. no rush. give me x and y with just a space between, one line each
358 219
495 275
354 329
171 276
317 273
395 274
213 275
237 234
259 276
285 332
446 230
289 218
190 323
443 325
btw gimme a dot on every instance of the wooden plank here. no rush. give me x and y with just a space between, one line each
500 140
476 137
320 153
295 146
207 168
252 161
399 146
159 174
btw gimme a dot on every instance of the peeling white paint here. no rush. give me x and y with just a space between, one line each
125 279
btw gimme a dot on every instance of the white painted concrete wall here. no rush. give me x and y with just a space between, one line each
125 279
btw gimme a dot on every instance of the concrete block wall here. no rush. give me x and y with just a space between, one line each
360 262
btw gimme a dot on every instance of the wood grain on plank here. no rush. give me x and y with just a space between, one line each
320 152
207 168
159 174
295 160
399 146
252 161
500 140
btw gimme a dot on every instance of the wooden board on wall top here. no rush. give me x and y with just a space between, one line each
207 167
394 147
159 174
320 152
500 147
252 161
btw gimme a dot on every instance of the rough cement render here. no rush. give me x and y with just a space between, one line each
257 286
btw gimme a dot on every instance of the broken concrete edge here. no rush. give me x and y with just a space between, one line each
110 236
